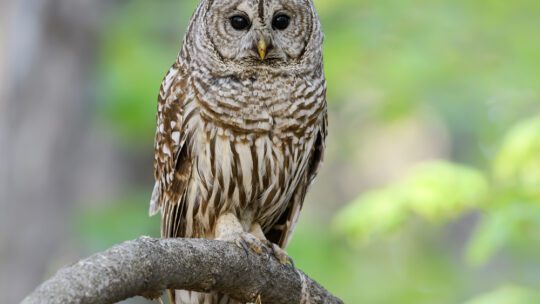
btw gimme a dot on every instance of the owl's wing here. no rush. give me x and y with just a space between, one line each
282 230
172 160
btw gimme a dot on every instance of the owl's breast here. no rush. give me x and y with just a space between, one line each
252 176
286 107
251 145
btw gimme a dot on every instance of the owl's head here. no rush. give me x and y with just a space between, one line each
260 32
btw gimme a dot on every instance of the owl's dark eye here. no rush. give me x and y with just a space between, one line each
281 22
240 23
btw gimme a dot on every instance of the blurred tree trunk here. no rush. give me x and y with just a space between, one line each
47 51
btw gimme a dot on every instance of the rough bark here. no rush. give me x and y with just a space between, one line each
148 266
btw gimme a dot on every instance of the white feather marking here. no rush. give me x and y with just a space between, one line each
176 137
169 79
260 150
154 209
191 199
223 155
246 164
166 150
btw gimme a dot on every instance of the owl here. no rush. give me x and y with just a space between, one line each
241 125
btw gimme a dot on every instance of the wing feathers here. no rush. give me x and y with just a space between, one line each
173 163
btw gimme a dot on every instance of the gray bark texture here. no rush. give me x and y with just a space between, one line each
148 266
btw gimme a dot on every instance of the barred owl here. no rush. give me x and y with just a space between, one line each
241 124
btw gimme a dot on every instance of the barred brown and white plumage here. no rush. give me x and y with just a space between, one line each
241 123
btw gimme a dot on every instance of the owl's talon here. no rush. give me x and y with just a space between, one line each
258 300
281 255
252 243
248 242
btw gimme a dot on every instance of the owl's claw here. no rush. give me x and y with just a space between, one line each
280 254
250 242
258 300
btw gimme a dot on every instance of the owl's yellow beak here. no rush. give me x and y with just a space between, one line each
261 47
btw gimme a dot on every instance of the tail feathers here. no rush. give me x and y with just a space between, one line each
170 293
192 297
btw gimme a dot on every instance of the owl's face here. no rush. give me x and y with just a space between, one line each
260 32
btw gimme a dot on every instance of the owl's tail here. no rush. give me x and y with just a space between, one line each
192 297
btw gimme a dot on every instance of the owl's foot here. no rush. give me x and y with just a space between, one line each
280 254
275 250
249 242
258 300
228 228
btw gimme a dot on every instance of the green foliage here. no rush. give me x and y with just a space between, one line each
442 191
137 51
507 295
115 222
515 224
439 191
517 165
514 217
435 191
316 252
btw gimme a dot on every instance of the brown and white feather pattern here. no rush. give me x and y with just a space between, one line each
236 135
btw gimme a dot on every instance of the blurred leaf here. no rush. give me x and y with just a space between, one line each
506 226
373 213
442 190
518 162
436 191
507 295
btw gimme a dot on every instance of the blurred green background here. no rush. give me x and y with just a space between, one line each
430 191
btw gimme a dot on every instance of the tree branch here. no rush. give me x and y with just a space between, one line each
148 266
